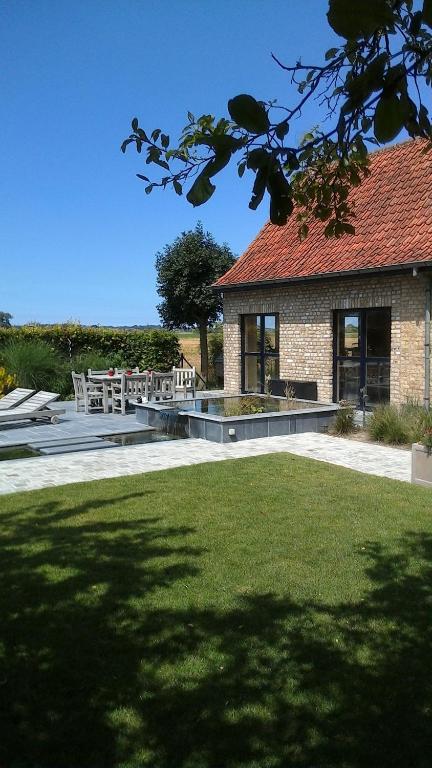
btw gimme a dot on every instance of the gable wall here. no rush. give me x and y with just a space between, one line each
306 328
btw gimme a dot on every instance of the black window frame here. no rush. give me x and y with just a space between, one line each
363 358
261 353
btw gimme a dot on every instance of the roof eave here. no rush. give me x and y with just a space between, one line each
274 282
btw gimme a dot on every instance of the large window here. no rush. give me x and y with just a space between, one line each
260 351
362 356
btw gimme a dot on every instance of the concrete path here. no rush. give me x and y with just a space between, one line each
42 472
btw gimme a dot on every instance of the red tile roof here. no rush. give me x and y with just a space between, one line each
393 223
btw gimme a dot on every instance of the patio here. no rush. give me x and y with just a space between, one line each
74 425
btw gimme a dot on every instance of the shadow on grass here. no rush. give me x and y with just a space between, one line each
92 678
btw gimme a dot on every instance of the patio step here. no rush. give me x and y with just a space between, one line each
64 441
75 447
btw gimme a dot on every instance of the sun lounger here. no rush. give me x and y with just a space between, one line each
16 397
34 409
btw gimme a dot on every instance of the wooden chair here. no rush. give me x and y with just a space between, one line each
184 381
162 386
88 395
130 388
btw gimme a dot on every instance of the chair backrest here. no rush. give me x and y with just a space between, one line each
123 370
184 377
162 384
79 384
14 398
37 402
135 386
92 372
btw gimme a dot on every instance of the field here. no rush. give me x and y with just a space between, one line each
190 346
260 613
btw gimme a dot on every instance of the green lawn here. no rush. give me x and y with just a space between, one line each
267 612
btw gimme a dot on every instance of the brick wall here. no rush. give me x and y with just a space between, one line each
306 328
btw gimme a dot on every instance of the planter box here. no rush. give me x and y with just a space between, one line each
421 466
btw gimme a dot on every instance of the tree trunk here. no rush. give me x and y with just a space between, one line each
204 350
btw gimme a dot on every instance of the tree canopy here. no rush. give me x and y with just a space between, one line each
368 90
186 270
5 319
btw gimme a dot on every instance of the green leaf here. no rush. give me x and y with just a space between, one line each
258 158
124 144
201 190
331 53
135 124
416 23
282 129
303 231
258 189
348 228
248 113
144 178
353 19
178 187
220 160
155 134
281 204
164 140
241 168
427 12
389 118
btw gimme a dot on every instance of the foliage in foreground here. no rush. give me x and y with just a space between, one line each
261 613
366 91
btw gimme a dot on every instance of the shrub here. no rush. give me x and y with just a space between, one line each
215 342
34 364
388 424
344 421
426 431
148 349
7 381
81 363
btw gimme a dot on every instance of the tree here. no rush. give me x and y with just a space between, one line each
5 318
367 89
186 271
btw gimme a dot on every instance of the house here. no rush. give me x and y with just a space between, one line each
351 316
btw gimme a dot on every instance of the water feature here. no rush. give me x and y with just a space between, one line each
237 417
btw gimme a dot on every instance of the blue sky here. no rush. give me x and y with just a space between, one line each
78 235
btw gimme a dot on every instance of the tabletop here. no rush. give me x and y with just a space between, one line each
115 377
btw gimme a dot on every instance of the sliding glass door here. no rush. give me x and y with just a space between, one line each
259 351
362 342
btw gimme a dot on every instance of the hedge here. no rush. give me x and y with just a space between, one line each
158 349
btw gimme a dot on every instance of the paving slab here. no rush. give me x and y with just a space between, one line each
77 447
32 473
65 441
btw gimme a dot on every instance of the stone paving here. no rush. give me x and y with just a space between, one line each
43 472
